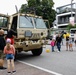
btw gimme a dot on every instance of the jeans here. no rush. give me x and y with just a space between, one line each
52 48
58 46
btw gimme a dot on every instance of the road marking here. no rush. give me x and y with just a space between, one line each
52 72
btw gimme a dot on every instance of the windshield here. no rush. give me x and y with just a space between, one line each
3 21
26 22
47 24
39 23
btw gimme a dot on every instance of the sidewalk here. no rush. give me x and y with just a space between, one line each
23 69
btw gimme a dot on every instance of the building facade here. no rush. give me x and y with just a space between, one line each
64 13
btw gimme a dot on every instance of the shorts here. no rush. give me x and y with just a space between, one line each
9 56
70 45
67 42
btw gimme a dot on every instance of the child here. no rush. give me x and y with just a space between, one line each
70 44
52 44
9 50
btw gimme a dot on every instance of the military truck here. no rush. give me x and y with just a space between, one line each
31 32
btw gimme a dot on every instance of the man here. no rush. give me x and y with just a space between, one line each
11 34
2 44
58 42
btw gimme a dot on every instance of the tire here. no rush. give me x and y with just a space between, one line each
37 52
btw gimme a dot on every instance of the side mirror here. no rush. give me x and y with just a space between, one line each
5 32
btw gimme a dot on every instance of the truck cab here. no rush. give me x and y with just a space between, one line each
31 32
4 22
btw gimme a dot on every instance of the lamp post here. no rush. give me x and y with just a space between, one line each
71 8
72 19
75 12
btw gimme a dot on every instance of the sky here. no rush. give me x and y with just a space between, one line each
8 6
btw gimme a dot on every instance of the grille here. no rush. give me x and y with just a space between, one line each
36 35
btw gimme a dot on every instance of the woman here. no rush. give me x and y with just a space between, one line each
9 50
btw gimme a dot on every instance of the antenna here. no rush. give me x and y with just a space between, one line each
16 8
7 14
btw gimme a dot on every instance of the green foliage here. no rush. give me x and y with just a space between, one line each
70 26
24 8
41 8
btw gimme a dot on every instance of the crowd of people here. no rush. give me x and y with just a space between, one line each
7 49
57 40
7 46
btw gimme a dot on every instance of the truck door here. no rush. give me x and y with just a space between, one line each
14 23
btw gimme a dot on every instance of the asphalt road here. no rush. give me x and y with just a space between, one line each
63 62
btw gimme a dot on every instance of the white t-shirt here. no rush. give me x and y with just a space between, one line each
74 36
54 36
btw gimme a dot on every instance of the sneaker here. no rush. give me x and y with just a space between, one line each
58 51
8 73
66 50
13 72
1 67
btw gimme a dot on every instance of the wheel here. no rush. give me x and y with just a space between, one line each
37 52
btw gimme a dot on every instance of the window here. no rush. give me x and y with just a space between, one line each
3 21
14 23
72 31
39 23
26 22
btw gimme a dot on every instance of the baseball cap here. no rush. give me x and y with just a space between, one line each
8 41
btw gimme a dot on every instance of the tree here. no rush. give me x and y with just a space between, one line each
70 26
41 8
24 8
